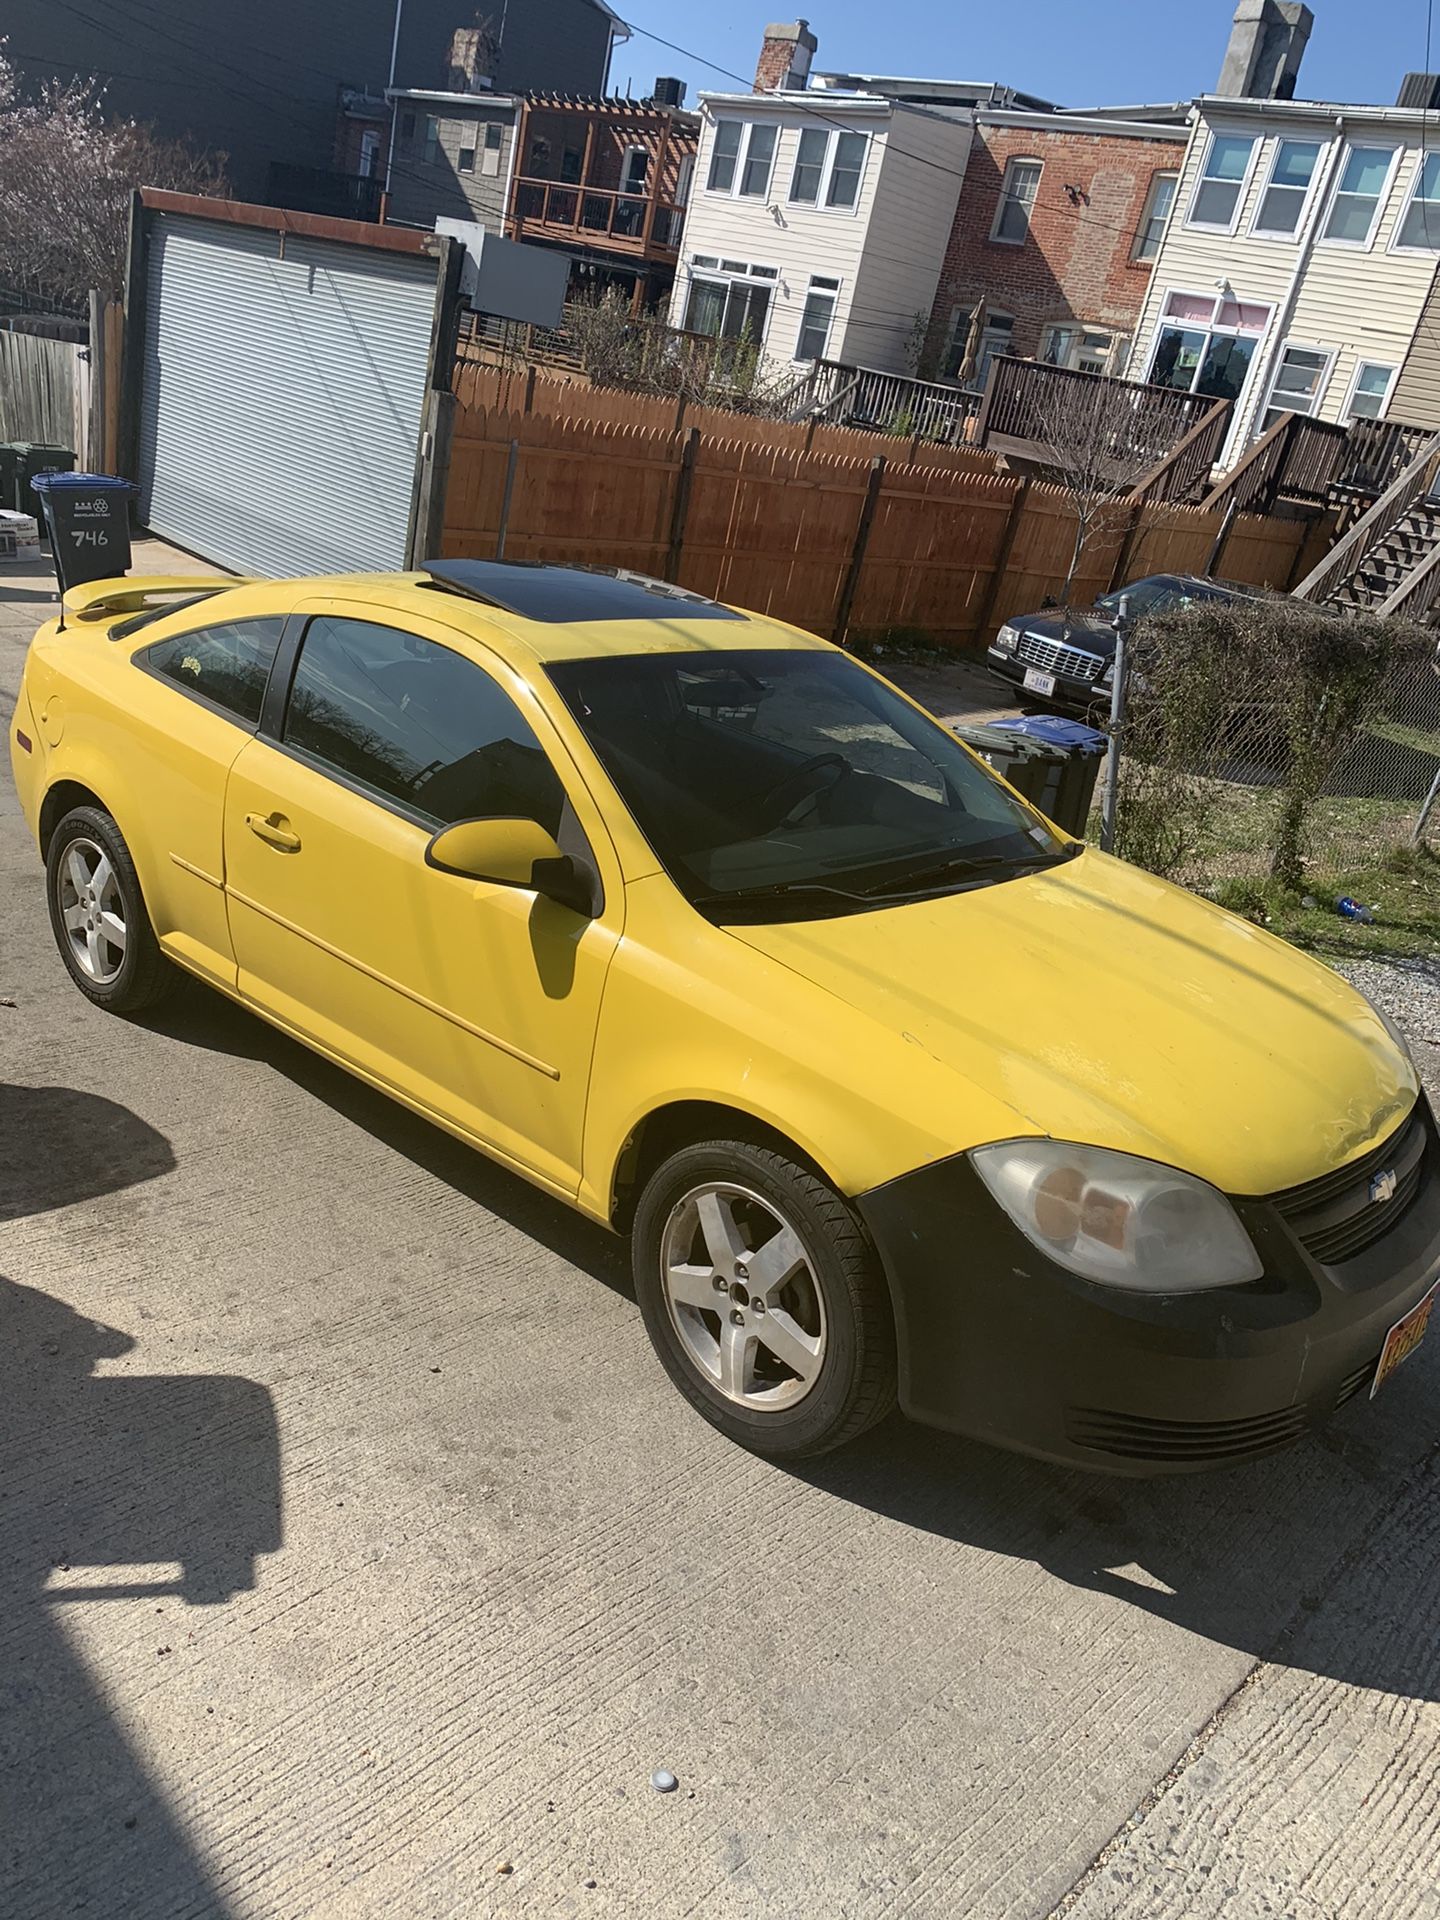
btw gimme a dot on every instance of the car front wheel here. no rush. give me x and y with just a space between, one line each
98 917
764 1299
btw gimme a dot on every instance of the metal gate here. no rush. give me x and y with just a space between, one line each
282 391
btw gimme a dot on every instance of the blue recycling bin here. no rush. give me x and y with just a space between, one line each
88 515
1070 780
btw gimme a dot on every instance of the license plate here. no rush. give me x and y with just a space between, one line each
1038 682
1403 1338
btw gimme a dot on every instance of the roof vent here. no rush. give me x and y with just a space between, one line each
1420 91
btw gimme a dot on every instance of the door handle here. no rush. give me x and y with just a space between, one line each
274 830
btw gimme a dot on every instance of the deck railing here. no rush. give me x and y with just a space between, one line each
841 394
1346 555
1296 458
597 213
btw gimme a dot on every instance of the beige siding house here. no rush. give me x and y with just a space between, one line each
818 225
1297 270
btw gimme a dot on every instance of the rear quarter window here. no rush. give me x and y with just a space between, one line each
226 665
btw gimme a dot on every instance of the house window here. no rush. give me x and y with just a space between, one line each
407 127
810 152
1356 207
1158 203
729 305
1297 385
816 321
465 160
684 176
1086 349
968 356
1370 391
846 166
759 154
1420 227
1222 180
490 155
724 155
432 140
1205 344
634 170
1283 200
369 153
572 161
1017 197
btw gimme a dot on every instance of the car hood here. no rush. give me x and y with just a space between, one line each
1089 630
1103 1005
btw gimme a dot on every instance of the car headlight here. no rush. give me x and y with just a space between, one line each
1115 1218
1392 1028
1008 639
1107 678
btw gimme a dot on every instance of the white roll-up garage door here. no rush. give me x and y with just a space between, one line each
282 395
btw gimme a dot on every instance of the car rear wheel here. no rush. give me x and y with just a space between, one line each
764 1299
98 917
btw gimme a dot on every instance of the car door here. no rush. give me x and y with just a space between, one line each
477 1003
188 713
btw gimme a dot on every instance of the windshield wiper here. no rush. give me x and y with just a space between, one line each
961 863
777 890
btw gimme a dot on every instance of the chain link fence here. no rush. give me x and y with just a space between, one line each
1273 743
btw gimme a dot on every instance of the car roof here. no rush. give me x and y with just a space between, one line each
551 613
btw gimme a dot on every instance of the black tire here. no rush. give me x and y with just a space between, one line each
144 974
855 1383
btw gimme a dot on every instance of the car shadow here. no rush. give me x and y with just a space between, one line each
195 1016
1242 1556
59 1146
107 1478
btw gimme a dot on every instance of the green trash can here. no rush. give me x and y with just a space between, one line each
9 469
33 457
1033 767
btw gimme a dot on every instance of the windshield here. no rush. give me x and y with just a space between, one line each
796 777
1159 596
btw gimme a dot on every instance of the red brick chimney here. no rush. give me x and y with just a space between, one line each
784 64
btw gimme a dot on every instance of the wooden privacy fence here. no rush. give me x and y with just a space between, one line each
40 394
835 543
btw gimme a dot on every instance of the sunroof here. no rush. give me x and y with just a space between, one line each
539 592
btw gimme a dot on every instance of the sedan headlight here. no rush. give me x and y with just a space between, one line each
1114 1218
1392 1028
1008 639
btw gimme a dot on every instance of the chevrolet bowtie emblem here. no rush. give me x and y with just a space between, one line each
1383 1186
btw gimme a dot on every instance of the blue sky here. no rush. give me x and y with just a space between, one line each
1111 51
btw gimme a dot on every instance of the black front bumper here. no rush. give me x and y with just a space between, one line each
1084 698
998 1342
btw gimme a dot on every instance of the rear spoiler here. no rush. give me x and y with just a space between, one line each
105 599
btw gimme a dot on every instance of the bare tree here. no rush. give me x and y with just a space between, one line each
66 177
1098 441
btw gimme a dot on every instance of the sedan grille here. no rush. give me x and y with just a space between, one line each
1073 663
1339 1215
1136 1436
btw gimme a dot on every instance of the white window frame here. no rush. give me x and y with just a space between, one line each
1147 214
822 283
1382 199
821 202
742 164
640 192
1115 352
1354 387
1006 198
1217 300
1412 253
1322 380
733 275
1214 226
1256 231
725 120
684 179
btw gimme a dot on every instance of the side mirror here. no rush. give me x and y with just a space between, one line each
512 853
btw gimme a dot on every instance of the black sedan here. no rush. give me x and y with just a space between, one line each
1063 657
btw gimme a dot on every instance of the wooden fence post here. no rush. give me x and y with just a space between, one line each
1218 546
94 455
1002 559
680 506
810 430
1127 547
679 413
529 405
857 552
511 463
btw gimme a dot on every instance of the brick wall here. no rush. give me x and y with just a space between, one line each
785 50
1077 261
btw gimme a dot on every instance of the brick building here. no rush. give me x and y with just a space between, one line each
1058 222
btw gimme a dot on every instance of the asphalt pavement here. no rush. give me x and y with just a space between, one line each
357 1559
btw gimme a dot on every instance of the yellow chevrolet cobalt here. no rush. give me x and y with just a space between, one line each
697 923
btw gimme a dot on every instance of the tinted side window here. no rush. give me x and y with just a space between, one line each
228 664
416 723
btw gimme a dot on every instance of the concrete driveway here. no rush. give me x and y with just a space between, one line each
358 1560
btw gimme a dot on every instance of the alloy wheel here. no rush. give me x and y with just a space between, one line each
742 1294
92 910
